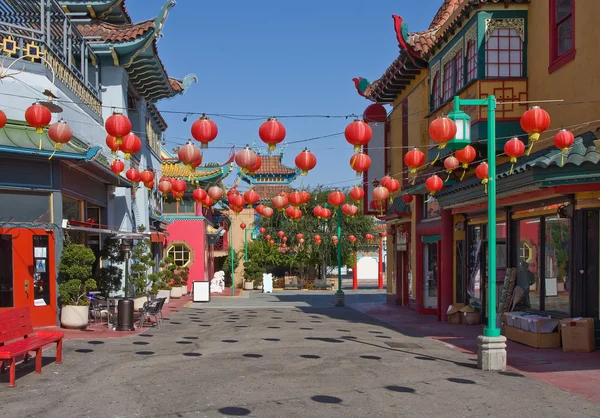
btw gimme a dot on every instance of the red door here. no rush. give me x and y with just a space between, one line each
27 273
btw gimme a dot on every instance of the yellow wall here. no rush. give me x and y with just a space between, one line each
247 217
578 80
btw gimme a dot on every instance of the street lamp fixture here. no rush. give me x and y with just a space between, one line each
463 127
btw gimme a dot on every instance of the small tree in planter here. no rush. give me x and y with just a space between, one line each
75 272
253 273
110 277
141 262
184 277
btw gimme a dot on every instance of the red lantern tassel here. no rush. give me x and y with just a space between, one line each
436 157
463 174
485 182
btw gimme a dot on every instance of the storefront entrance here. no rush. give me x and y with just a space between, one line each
27 273
430 278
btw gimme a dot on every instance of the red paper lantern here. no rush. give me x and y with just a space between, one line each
384 181
325 213
236 209
262 230
357 193
414 159
149 185
216 193
295 198
118 125
305 196
299 237
60 132
208 201
251 197
38 116
407 198
204 131
272 242
259 209
336 198
272 132
117 166
346 209
451 164
514 148
360 162
165 186
563 140
284 239
296 214
535 121
352 238
279 201
199 195
245 158
236 199
190 155
146 176
3 119
384 234
466 156
482 172
393 185
306 161
280 234
318 211
130 144
267 237
111 142
267 212
256 165
358 133
380 193
442 130
317 238
434 184
179 186
133 175
243 225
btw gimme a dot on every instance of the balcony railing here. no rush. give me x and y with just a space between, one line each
41 31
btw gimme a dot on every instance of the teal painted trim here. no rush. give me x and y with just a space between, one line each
43 153
430 239
504 130
458 37
183 217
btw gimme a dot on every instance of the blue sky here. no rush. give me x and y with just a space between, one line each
270 57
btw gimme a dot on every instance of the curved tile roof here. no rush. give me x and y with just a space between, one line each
107 32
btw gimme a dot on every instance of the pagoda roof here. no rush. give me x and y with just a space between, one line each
133 46
272 170
266 192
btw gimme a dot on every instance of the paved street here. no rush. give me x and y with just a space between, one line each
287 354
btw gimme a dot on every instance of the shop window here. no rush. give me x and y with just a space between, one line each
471 61
169 206
562 33
6 271
186 205
528 278
22 207
504 54
556 265
72 208
448 76
435 92
180 254
475 236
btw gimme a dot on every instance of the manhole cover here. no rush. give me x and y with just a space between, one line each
404 345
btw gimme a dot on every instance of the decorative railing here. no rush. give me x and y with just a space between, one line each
40 31
220 244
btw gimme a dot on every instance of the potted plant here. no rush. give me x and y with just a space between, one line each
142 261
75 272
184 274
170 278
252 275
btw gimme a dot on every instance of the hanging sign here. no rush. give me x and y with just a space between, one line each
401 240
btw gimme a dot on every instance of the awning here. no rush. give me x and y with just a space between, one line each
430 239
88 227
430 227
158 237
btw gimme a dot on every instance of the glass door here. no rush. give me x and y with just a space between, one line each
430 276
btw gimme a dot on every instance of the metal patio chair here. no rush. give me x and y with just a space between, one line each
152 309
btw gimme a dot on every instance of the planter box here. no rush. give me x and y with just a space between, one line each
74 317
164 294
138 302
248 285
183 290
176 292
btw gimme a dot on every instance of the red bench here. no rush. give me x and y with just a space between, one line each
16 323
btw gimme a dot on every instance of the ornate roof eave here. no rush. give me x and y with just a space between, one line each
111 11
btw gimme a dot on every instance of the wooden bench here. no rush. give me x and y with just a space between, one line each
17 338
295 283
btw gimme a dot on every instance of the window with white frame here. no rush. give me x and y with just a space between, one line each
504 54
448 77
458 65
471 61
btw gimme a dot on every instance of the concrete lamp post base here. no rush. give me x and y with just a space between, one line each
491 353
339 300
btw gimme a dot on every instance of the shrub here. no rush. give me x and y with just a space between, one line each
75 272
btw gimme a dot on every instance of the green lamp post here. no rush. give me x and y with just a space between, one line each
491 346
232 256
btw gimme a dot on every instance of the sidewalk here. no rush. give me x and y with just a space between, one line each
577 373
95 331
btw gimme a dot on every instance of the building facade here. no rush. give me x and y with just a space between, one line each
83 61
524 53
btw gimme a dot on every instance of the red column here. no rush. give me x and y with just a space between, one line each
446 264
380 275
355 272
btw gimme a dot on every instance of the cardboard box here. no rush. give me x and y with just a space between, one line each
454 314
578 335
532 339
471 318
